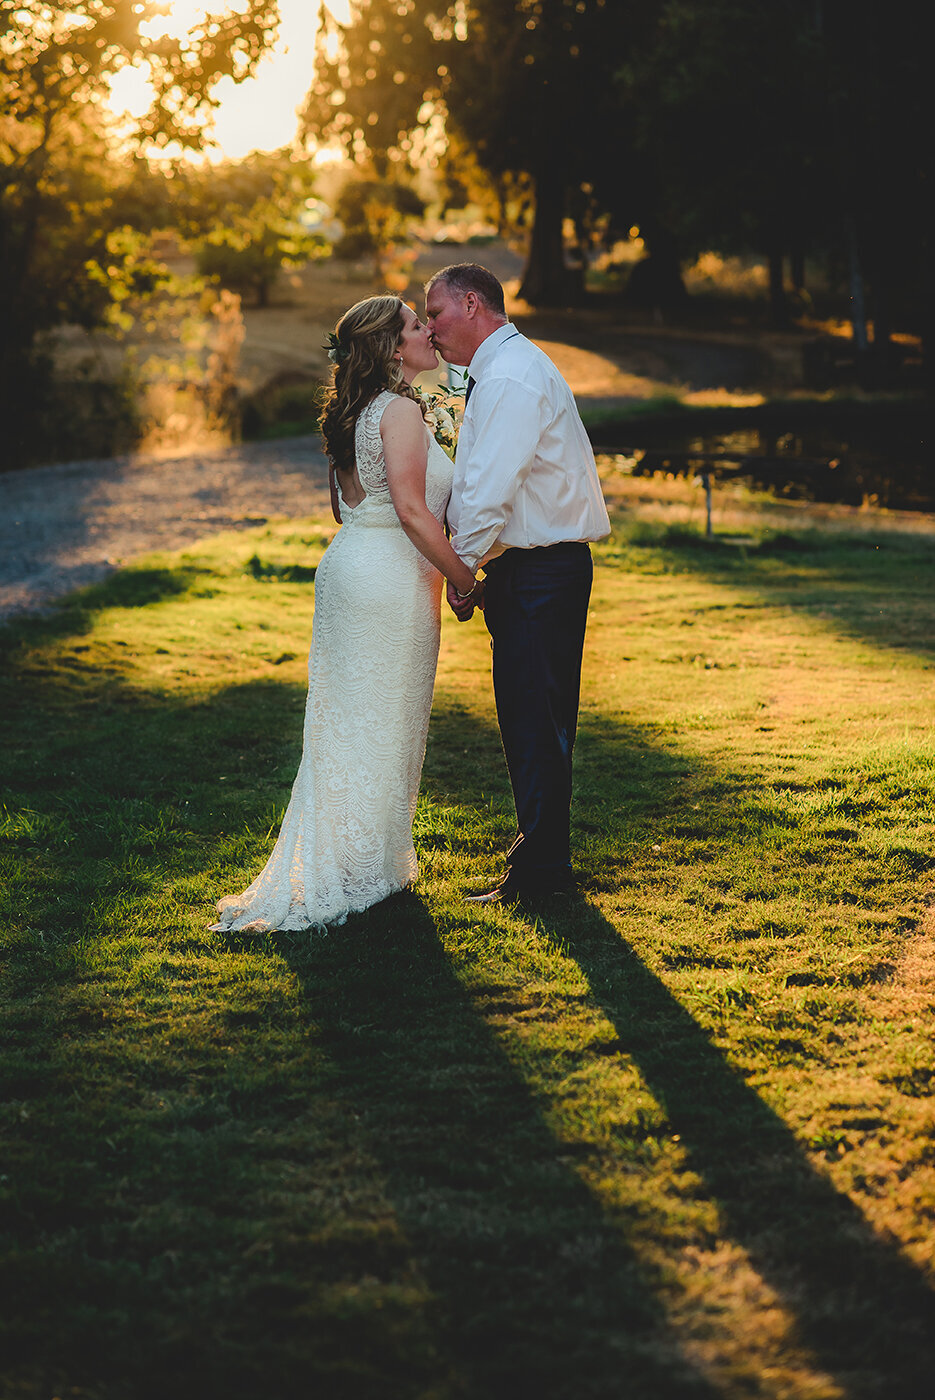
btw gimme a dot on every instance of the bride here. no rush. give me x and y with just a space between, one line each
346 838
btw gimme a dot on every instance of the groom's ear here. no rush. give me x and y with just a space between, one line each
471 303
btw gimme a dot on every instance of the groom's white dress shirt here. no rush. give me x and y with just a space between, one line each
524 469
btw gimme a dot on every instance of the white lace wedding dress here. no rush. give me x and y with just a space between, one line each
346 838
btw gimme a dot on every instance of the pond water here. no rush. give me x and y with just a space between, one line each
878 462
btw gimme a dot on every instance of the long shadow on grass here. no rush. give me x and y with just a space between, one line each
159 1140
876 587
165 1153
861 1308
535 1292
145 1130
137 586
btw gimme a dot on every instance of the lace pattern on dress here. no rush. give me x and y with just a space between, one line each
346 838
368 445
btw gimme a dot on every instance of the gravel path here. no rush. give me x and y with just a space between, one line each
65 526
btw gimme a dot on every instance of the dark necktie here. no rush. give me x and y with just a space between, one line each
470 389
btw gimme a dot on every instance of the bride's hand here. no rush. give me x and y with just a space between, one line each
463 608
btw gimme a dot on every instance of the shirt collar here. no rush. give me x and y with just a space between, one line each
485 352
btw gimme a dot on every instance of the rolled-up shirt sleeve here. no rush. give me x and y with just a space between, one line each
506 418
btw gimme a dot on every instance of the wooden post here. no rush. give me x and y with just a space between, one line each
706 481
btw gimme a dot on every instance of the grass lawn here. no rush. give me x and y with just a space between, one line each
673 1138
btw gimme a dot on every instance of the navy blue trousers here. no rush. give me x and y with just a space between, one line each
536 607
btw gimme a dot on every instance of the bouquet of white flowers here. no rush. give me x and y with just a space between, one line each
443 412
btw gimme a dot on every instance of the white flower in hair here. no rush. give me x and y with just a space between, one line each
336 351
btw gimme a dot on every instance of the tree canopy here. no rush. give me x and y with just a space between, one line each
528 87
780 129
68 182
244 219
60 187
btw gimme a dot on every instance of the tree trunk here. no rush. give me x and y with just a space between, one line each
881 300
778 310
546 280
882 318
855 280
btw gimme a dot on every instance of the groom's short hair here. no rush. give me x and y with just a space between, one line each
462 278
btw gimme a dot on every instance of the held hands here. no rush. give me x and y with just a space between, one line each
463 605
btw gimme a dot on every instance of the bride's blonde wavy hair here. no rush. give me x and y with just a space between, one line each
365 343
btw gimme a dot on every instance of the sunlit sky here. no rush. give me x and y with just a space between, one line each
256 115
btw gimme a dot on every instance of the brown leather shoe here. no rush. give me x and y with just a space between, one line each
506 893
512 891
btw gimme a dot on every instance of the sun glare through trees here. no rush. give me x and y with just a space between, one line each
258 114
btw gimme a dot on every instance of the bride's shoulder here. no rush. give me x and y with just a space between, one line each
399 411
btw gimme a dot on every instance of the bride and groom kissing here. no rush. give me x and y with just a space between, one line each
521 502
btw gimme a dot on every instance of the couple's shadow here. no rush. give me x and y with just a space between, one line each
537 1289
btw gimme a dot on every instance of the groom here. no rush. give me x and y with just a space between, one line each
525 502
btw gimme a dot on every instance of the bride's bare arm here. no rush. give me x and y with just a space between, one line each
405 449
